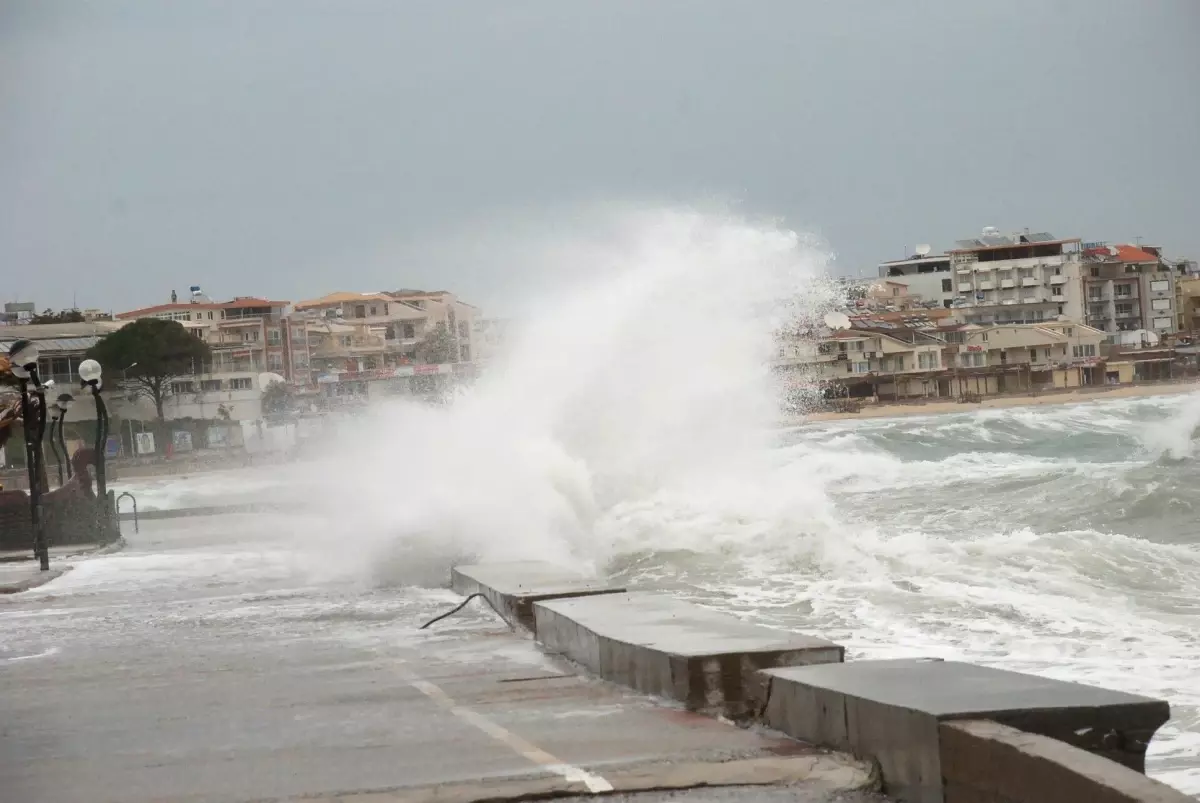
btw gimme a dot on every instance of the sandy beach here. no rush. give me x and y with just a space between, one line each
893 410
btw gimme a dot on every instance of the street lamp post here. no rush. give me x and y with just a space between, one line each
58 458
23 356
63 404
89 376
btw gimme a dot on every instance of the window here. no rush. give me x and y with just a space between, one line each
275 362
1161 303
1094 294
183 387
374 311
410 331
210 315
274 337
1084 350
861 367
1124 309
464 329
240 383
947 285
927 360
250 337
360 311
983 336
1095 271
210 385
1160 286
1123 290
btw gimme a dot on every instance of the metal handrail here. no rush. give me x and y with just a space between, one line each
136 527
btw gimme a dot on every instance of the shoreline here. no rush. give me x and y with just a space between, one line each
1076 396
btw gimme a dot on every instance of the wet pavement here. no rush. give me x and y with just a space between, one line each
221 659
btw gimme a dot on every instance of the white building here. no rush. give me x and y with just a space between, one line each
247 341
1017 278
926 275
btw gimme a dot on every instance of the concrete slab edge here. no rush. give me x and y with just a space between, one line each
833 773
666 682
984 760
34 581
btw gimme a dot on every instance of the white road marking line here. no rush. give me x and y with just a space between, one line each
594 783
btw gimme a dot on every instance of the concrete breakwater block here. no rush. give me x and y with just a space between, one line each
987 761
891 711
661 645
513 587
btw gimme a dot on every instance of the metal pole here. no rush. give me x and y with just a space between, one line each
54 448
34 426
62 443
101 442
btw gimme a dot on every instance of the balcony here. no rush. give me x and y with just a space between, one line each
1007 283
1059 297
987 285
1009 301
1056 280
965 287
1030 281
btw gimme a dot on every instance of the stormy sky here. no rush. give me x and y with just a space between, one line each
289 148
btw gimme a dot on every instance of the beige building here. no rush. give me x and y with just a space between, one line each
1008 358
246 336
917 356
1129 289
349 339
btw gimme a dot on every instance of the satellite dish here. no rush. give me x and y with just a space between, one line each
923 249
837 320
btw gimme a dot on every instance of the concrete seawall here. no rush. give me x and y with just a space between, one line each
939 731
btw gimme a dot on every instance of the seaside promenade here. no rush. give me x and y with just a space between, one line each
207 661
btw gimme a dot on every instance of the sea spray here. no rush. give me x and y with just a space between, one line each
651 377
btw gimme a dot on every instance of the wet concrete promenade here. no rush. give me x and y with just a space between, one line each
212 661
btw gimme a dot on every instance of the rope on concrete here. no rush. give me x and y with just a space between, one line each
462 605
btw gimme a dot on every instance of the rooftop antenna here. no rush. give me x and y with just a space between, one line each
923 249
837 320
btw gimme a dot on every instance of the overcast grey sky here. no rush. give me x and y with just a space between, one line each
294 147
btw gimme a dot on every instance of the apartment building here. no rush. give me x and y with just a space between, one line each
1129 289
246 338
898 356
1017 278
927 276
1187 304
1017 357
346 339
878 355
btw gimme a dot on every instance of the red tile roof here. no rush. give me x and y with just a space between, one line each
1125 253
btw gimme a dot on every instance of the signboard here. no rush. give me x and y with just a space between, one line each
143 443
112 447
182 440
974 348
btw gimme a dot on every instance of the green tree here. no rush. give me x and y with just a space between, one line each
438 346
63 316
277 398
158 352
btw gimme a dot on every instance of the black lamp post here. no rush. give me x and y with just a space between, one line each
58 442
23 356
89 376
56 415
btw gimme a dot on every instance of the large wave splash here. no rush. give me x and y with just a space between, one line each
648 380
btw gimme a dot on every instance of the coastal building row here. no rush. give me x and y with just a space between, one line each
338 348
1132 293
